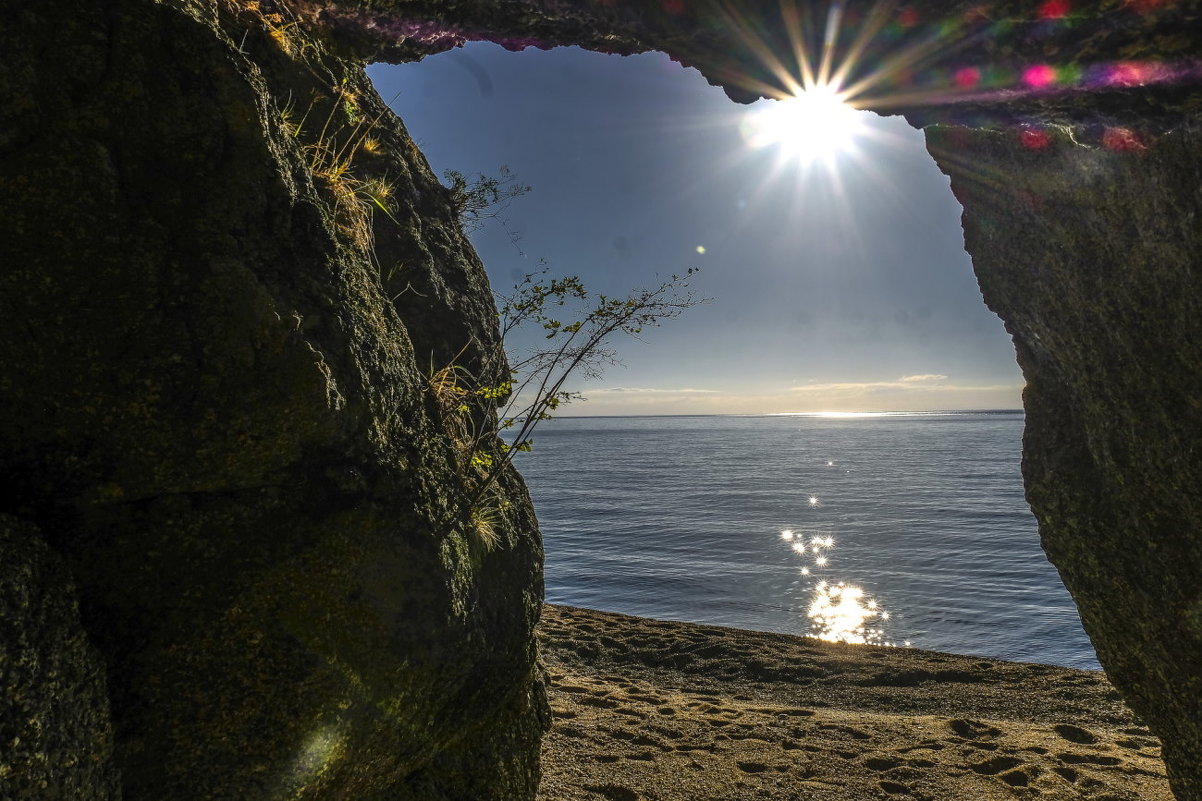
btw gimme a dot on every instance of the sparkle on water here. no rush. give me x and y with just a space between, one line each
841 613
838 612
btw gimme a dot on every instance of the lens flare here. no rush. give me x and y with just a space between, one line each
887 57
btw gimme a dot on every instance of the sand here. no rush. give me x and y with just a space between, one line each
651 710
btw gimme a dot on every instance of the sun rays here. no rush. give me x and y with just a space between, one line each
819 65
816 124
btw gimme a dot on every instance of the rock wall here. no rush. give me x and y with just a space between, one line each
215 404
54 711
1070 133
228 275
1090 254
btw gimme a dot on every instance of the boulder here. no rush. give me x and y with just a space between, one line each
1090 252
216 404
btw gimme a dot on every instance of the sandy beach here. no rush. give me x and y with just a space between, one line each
651 710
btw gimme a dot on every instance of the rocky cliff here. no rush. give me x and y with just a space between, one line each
1090 254
228 276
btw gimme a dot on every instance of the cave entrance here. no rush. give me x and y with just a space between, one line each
845 312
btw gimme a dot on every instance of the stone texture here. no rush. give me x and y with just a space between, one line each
911 51
56 738
1082 217
214 401
1081 214
1091 256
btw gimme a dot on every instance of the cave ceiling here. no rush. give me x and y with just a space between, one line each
1131 64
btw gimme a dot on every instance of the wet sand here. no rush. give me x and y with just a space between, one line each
650 710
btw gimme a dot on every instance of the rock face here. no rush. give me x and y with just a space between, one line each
54 712
1071 137
215 405
1091 256
228 276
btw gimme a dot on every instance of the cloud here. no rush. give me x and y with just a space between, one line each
650 391
929 382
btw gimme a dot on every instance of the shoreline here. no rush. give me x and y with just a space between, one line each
654 710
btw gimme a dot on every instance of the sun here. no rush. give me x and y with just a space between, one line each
814 125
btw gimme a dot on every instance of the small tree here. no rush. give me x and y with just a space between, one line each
535 383
517 391
483 198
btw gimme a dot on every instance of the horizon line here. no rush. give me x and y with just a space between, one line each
833 414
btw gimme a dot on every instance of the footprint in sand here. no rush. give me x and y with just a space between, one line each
1089 759
571 731
894 788
925 745
572 689
848 731
881 764
992 767
1075 734
613 792
1068 774
1016 778
598 701
973 729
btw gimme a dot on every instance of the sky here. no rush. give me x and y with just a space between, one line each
835 279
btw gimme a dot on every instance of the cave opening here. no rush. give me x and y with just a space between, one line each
841 291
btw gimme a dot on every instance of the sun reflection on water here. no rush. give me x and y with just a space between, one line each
841 613
838 611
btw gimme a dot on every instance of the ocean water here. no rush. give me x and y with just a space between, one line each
901 528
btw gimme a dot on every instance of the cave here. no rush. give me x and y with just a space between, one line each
234 563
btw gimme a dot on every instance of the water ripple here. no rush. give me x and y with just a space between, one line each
681 517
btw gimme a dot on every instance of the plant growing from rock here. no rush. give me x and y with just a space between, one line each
331 153
491 420
483 198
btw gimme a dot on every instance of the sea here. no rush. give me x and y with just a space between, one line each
903 529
